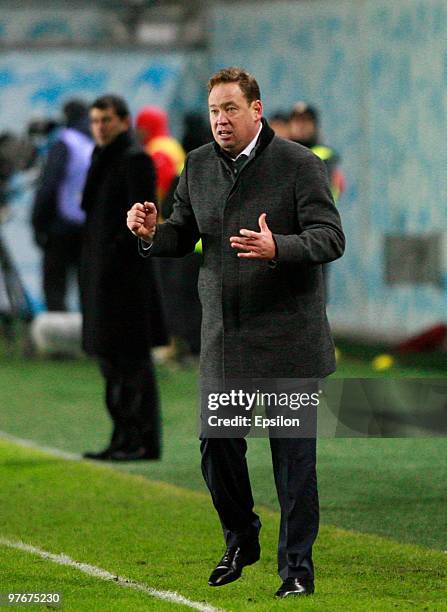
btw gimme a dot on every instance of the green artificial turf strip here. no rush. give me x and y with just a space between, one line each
166 537
392 487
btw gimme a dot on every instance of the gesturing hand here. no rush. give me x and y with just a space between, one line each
142 220
255 245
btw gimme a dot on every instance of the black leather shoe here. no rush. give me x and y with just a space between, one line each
103 455
295 586
230 566
134 454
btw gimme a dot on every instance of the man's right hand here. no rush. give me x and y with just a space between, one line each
142 220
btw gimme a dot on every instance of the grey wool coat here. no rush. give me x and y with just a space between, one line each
260 320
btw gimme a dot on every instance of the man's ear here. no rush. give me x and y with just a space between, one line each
257 108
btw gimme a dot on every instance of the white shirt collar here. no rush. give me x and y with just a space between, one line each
249 148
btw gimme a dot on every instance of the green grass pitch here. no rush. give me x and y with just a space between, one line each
166 537
153 521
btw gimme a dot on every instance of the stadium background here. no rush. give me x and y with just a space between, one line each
377 70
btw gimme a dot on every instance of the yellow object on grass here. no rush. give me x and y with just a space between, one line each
383 362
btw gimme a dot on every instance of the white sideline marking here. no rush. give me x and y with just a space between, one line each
102 574
56 452
84 567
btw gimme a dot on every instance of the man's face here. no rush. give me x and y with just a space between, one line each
106 125
281 128
302 128
234 121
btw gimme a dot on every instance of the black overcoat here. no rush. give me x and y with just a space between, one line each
119 292
259 319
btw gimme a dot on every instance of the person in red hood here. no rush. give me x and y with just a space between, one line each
152 129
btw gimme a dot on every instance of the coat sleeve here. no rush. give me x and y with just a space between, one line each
320 238
141 179
178 235
140 186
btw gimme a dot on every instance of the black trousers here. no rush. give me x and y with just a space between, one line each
224 468
180 298
132 400
61 258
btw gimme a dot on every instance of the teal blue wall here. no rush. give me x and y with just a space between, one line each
378 72
376 68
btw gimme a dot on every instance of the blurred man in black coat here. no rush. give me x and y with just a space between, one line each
120 303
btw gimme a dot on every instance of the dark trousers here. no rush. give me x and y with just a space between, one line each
133 404
224 468
180 298
61 258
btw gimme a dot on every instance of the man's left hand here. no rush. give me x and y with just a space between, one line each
255 245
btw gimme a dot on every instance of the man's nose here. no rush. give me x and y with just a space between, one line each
221 118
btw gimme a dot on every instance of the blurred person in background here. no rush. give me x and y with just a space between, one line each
151 124
196 131
42 133
180 296
16 155
279 122
152 128
304 128
18 159
121 310
57 217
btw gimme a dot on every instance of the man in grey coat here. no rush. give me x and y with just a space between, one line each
264 211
